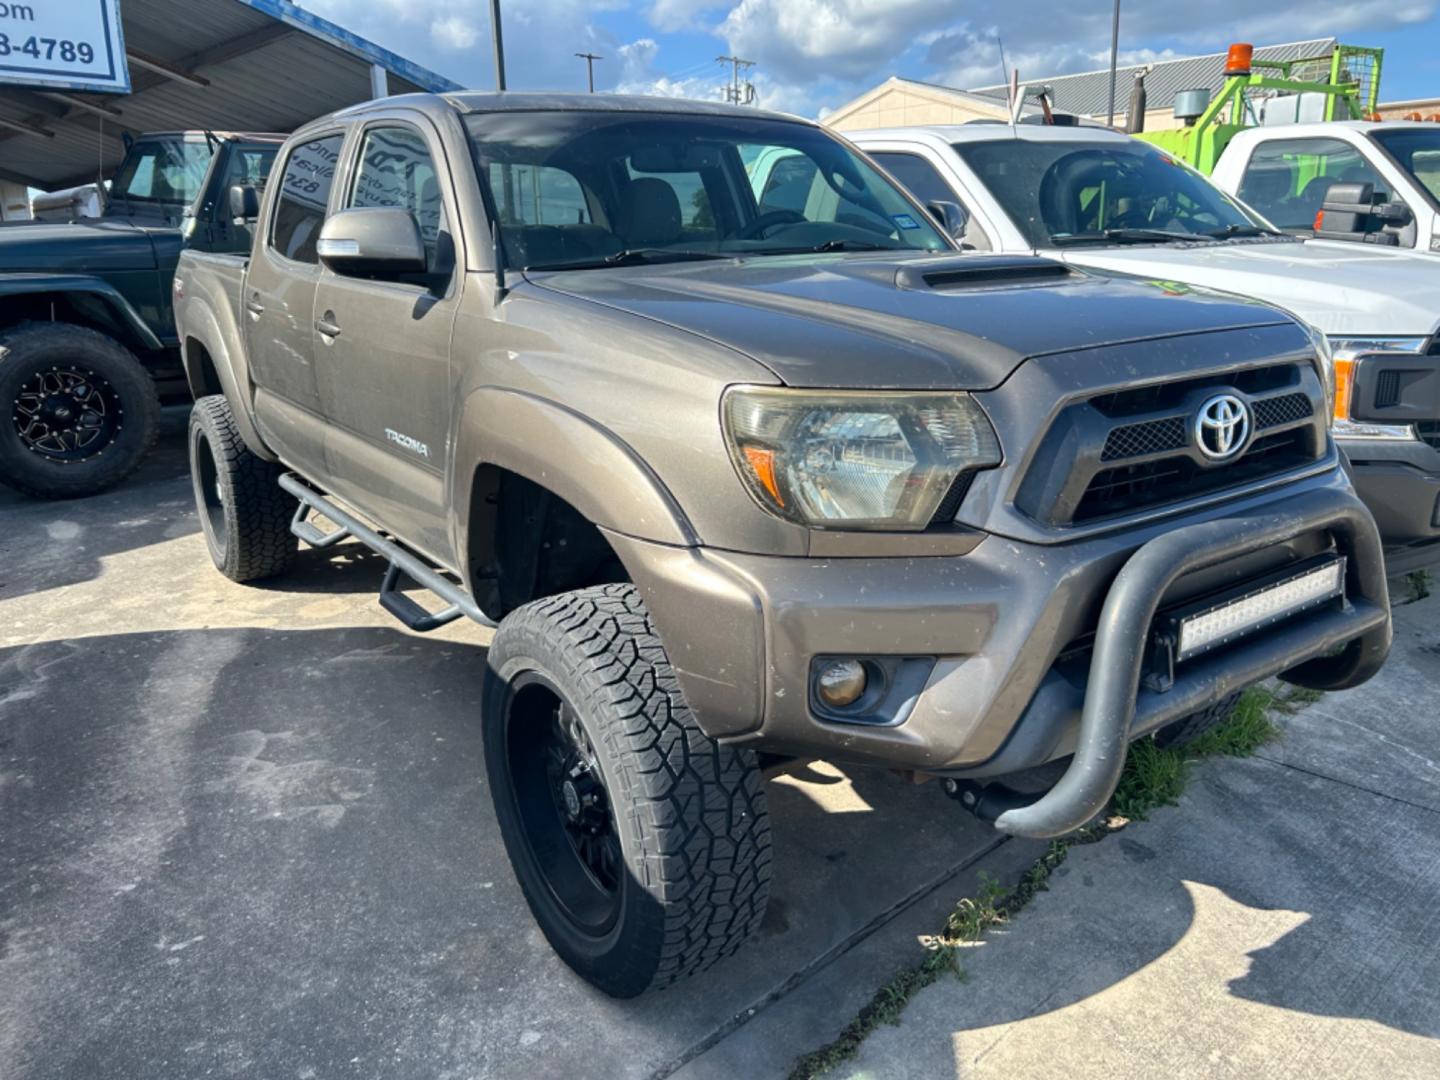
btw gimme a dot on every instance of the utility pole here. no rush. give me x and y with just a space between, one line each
1114 61
590 59
733 93
499 44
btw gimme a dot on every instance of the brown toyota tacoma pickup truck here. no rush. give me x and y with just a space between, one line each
742 467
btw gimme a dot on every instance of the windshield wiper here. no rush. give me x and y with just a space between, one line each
631 257
1233 230
837 244
1126 236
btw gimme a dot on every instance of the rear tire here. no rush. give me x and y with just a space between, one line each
244 513
655 861
1187 729
79 411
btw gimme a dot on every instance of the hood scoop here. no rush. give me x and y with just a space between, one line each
978 271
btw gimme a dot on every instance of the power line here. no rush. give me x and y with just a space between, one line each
590 59
737 93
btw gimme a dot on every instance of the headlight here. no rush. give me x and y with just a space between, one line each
1345 351
855 459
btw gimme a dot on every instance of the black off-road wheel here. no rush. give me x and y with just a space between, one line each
1187 729
244 513
80 411
641 845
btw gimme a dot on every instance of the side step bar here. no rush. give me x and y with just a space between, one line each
401 562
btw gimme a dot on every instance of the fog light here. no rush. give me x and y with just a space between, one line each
840 683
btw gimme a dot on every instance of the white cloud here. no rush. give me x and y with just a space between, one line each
671 15
454 32
812 54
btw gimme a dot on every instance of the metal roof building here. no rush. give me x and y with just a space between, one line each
1088 94
237 65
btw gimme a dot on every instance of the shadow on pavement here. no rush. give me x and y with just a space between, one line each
1252 928
262 853
47 544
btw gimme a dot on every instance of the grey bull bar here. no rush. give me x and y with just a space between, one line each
1301 652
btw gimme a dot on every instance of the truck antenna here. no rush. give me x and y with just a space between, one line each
1011 84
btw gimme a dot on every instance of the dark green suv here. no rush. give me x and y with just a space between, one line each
87 331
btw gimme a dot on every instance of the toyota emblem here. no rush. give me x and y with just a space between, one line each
1222 427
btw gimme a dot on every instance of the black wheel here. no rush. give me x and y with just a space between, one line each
80 410
244 513
1187 729
642 846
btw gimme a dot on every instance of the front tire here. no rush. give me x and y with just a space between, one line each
79 411
642 846
244 512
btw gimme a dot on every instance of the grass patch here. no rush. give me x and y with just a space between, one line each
1153 777
1418 582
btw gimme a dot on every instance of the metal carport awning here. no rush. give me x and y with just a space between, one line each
223 65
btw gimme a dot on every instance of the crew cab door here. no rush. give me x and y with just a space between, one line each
382 347
278 303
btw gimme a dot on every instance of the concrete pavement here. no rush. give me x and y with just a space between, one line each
245 832
1282 921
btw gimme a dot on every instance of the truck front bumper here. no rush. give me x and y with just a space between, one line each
1399 480
1026 647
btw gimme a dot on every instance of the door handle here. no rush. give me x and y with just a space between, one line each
254 307
327 326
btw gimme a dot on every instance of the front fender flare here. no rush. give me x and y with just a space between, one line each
566 453
120 309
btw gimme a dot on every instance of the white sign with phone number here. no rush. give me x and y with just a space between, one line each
66 44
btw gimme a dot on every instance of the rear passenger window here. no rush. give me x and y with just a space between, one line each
917 174
396 170
1286 180
537 195
788 186
304 194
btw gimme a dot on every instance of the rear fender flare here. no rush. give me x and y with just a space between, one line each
203 329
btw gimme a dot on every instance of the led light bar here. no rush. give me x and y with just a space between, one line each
1231 619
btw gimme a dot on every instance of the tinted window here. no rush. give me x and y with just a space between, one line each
789 184
1064 192
663 185
917 174
396 170
164 172
249 165
537 195
690 193
1417 151
1286 180
304 195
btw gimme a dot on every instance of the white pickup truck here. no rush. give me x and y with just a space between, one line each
1100 200
1286 172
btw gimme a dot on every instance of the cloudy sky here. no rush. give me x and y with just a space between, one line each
812 55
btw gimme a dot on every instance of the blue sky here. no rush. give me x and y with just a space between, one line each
812 55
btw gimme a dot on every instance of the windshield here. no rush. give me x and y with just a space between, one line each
575 189
162 171
1060 193
1417 152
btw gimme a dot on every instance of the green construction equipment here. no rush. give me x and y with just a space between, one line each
1349 91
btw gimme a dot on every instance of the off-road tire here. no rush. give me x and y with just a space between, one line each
244 513
1181 733
693 828
29 350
